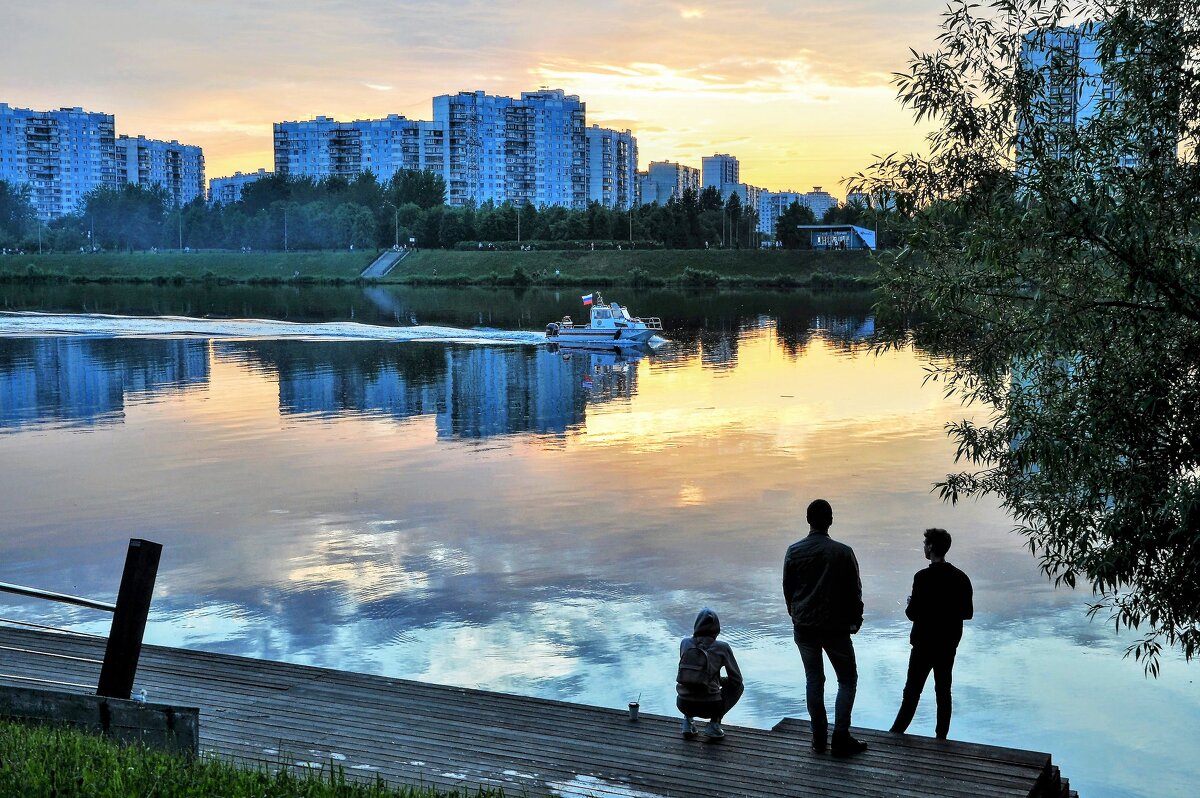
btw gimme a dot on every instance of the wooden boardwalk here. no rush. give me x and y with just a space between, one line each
417 733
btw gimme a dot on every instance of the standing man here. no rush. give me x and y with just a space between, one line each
940 602
823 592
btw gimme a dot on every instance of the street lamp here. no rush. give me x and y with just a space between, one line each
396 244
518 207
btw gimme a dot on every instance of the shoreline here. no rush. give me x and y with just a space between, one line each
782 270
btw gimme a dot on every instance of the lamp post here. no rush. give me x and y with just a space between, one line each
179 212
396 243
518 207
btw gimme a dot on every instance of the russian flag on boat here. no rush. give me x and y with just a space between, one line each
587 300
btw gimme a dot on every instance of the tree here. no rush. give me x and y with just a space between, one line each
785 226
129 217
423 189
16 213
1058 260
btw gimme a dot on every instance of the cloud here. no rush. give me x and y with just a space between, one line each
377 87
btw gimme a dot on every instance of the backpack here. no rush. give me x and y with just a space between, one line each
698 671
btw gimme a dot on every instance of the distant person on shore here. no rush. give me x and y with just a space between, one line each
823 591
700 689
940 602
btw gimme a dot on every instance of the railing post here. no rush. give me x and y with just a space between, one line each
129 619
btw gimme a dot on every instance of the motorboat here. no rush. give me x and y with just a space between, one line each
610 324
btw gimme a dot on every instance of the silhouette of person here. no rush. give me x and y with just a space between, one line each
718 694
940 602
823 591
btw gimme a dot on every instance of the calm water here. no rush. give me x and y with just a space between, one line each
545 523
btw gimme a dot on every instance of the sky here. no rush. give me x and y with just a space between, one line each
799 91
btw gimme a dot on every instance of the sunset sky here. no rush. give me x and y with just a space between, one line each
798 91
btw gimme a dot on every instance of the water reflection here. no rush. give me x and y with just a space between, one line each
86 382
547 522
471 391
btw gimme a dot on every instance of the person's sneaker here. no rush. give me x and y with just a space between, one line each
689 728
845 745
713 729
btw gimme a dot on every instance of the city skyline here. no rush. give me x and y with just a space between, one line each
802 96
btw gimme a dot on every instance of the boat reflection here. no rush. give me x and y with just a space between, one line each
606 372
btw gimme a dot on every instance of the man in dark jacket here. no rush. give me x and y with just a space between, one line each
940 602
716 696
824 598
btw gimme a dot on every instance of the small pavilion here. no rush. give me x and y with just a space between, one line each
839 236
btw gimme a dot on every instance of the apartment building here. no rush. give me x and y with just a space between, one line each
323 147
178 168
612 167
486 148
532 149
720 170
820 202
228 190
664 180
61 155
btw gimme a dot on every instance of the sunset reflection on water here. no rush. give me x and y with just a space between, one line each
543 523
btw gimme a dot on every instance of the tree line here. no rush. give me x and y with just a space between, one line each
282 213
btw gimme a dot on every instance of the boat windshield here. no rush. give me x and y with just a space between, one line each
601 313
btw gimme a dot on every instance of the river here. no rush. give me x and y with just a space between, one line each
499 515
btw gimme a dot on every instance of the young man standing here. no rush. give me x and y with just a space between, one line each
823 592
940 602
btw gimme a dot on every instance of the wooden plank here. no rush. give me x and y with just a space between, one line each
469 737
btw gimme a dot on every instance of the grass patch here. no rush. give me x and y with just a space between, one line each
776 269
40 762
174 268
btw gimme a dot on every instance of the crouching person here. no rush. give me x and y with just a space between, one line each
701 691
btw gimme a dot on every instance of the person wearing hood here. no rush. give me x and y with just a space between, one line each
700 689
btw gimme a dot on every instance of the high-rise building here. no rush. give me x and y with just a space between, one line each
665 180
507 150
772 205
61 155
228 190
819 202
486 148
1076 88
323 147
1066 61
719 171
612 167
178 168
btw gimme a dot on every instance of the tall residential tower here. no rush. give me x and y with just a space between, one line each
61 155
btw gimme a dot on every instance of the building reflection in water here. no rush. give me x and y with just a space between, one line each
472 391
86 382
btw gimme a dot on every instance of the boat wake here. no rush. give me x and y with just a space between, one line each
94 325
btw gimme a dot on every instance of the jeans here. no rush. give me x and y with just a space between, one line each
840 649
716 708
924 659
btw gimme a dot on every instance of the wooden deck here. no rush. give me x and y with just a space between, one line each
416 733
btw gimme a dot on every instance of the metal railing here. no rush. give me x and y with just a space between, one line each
124 642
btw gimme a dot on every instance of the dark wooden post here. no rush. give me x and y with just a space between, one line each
129 619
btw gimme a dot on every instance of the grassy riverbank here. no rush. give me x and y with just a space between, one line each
37 762
697 268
